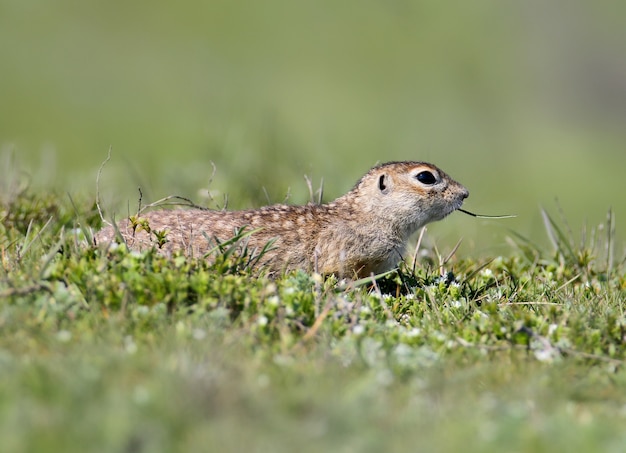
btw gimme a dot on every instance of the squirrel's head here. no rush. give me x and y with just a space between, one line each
409 194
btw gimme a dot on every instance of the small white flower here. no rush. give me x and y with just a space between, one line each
64 336
552 328
262 321
270 288
544 355
414 332
199 334
486 273
274 301
358 329
114 246
129 345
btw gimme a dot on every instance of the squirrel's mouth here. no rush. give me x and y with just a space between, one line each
450 208
457 205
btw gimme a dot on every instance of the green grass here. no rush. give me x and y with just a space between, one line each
126 351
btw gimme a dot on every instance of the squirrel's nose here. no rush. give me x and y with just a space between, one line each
465 193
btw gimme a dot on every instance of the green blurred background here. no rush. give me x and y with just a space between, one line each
524 102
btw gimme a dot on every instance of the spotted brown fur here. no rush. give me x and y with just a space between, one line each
362 232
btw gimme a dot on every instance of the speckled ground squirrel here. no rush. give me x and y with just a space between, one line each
362 232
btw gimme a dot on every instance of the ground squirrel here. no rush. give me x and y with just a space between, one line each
362 232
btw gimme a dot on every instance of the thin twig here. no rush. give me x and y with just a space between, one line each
13 292
267 195
451 254
320 192
504 304
317 324
287 195
98 186
483 216
309 185
568 282
588 355
610 224
165 202
140 200
381 298
417 247
208 190
27 245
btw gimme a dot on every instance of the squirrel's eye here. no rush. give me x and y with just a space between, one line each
426 177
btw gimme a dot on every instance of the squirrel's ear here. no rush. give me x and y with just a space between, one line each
383 185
